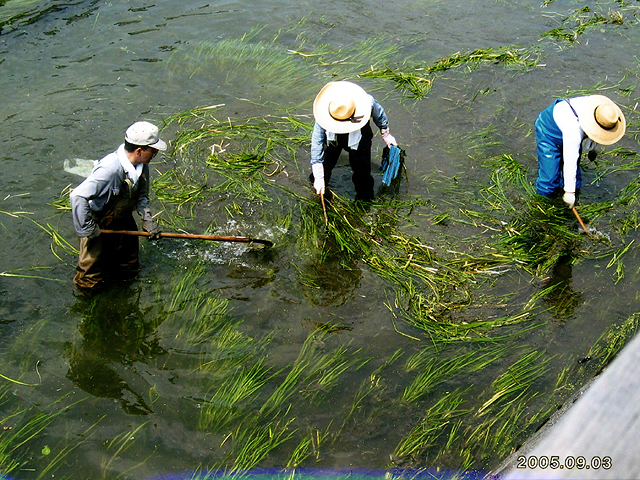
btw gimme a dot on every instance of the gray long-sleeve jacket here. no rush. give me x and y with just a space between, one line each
95 198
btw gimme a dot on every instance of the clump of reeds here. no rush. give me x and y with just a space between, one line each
472 435
613 339
239 390
241 58
433 371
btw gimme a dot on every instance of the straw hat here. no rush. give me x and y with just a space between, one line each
601 119
342 107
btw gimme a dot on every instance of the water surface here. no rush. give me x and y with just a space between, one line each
74 75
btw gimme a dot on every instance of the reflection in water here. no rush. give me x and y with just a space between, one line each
562 299
547 237
115 334
331 282
334 275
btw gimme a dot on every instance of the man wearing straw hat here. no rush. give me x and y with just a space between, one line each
562 130
342 111
117 185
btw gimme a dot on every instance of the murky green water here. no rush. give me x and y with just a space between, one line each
129 372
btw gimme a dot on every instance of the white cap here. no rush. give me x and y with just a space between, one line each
144 134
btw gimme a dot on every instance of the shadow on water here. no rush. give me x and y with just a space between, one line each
332 275
551 234
331 282
115 334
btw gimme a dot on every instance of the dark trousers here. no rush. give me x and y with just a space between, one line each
359 160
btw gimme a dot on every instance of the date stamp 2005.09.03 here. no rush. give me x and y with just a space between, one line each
556 462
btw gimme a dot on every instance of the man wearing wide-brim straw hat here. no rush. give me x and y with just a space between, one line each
563 130
342 111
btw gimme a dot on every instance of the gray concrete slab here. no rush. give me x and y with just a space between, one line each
596 437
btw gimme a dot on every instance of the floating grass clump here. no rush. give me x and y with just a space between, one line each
232 165
508 56
254 148
179 193
418 79
582 20
406 78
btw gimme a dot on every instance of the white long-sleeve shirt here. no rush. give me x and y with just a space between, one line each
572 139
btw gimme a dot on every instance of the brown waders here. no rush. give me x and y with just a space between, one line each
102 254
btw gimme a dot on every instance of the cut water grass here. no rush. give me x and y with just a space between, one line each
580 21
417 79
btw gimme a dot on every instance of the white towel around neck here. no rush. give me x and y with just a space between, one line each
133 172
354 138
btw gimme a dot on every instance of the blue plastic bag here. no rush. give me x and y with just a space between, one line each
391 165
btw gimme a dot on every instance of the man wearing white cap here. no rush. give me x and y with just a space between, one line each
342 111
562 130
117 185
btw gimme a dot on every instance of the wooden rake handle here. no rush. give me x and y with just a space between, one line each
324 209
217 238
575 212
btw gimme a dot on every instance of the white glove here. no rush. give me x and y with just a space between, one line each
588 144
569 198
388 138
318 177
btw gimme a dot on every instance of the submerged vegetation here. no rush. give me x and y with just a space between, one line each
442 291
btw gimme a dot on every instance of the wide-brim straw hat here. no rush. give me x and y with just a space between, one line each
342 107
601 119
